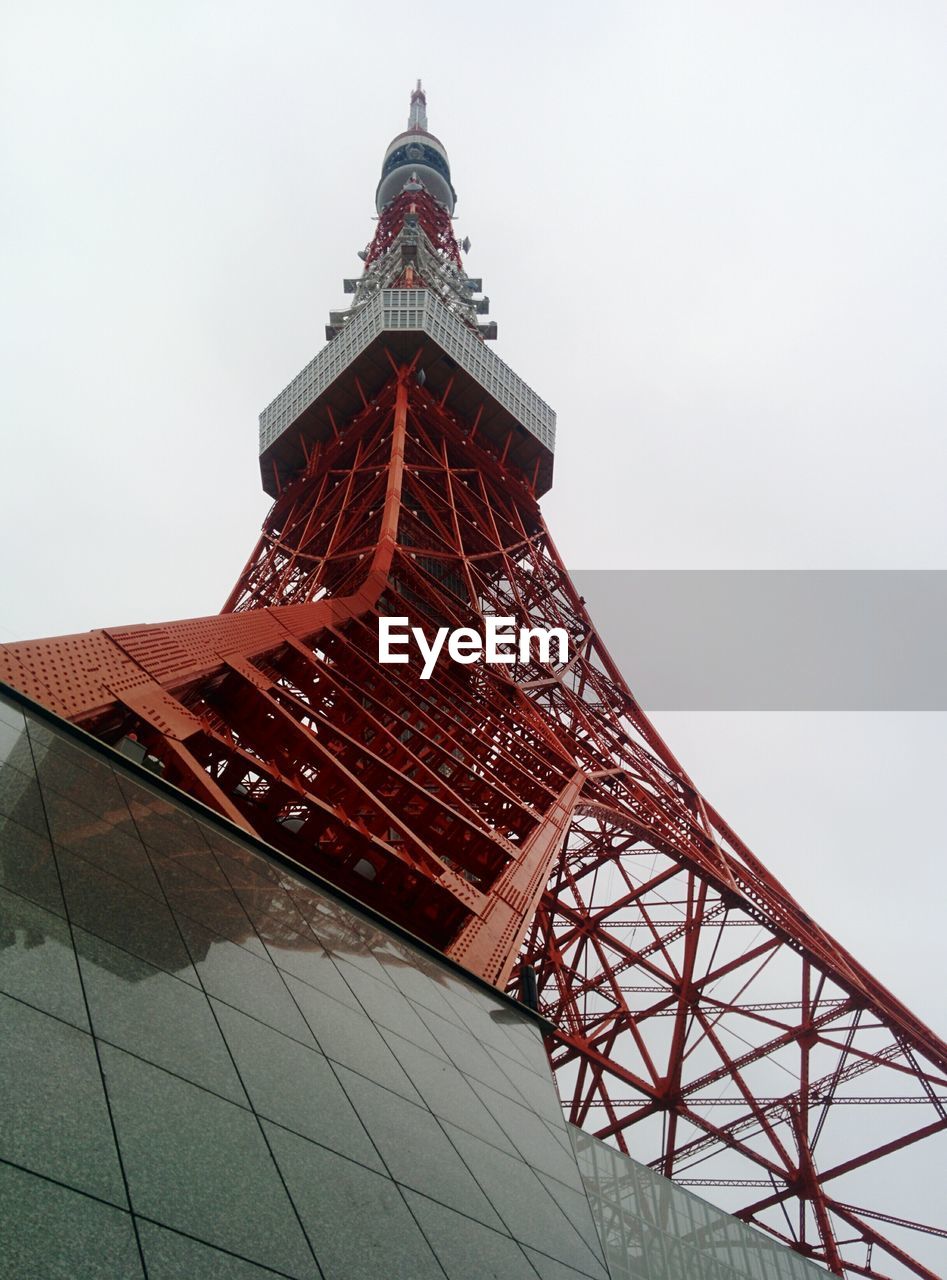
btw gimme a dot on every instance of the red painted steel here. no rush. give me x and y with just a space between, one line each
432 218
527 815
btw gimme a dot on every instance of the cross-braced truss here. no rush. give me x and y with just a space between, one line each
528 815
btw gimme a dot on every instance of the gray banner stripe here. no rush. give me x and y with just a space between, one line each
775 640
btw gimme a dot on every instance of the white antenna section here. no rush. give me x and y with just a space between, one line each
417 118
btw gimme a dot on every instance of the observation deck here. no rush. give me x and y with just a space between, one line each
454 359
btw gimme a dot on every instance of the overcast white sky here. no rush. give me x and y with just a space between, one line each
714 239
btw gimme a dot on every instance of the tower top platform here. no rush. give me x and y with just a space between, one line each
456 363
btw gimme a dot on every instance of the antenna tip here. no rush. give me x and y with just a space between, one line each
417 118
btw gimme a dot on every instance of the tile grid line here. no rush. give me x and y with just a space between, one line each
245 1106
143 1217
425 1107
520 1101
85 998
339 1082
213 1012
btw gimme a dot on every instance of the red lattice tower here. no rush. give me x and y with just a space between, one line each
430 215
520 816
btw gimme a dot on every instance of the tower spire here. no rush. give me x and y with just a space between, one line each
417 117
414 244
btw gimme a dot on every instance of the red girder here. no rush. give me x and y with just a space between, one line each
523 810
430 215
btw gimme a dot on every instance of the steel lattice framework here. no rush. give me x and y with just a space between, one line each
520 816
